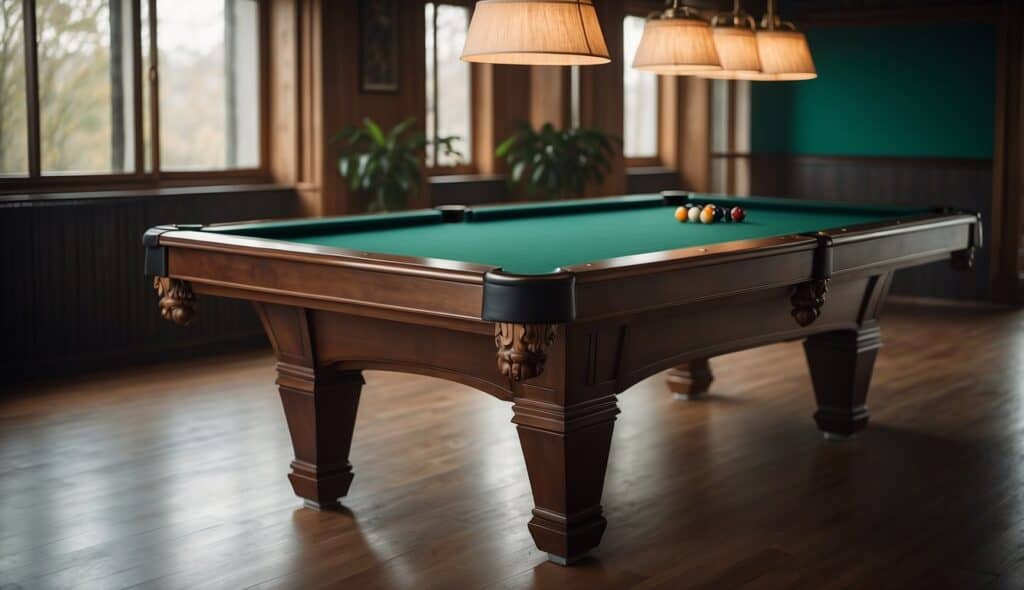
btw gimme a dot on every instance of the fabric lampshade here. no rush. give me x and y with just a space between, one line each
535 32
785 55
677 46
737 49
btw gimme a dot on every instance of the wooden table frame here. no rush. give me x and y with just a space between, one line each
566 343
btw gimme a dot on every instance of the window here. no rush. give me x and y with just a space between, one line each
449 83
85 81
640 101
209 84
13 125
94 102
730 137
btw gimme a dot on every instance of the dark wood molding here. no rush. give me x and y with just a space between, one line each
1007 242
212 190
923 161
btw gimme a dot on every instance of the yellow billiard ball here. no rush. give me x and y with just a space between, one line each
707 215
681 214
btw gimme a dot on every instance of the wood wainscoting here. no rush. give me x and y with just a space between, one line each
961 183
74 294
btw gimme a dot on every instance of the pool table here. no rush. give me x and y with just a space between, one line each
556 308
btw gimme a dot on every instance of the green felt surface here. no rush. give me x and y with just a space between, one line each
539 239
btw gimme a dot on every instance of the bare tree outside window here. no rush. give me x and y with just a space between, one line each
209 84
83 89
13 123
69 91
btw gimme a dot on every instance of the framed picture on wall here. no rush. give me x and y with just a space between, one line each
378 46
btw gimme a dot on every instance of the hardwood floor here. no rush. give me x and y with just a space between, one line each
174 477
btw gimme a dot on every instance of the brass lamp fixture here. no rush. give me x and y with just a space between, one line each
736 41
535 32
677 42
783 50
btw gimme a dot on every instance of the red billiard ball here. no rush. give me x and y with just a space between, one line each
738 214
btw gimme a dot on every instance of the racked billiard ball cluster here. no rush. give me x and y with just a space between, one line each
709 214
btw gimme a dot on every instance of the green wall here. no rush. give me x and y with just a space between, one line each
926 91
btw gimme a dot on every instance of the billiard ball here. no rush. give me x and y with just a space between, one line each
738 214
693 214
707 215
719 213
681 214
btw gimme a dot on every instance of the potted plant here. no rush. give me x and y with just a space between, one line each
387 166
556 164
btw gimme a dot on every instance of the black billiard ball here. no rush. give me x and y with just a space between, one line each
719 213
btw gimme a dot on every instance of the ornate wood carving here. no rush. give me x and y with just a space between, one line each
177 301
807 300
523 348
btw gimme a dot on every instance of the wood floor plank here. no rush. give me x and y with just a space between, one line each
173 476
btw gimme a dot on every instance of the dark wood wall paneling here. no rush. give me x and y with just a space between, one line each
474 189
74 294
480 189
945 182
651 180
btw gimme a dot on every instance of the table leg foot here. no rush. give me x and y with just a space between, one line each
566 561
836 437
320 406
566 451
841 363
320 506
690 380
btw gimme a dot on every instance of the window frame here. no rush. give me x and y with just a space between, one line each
643 10
138 177
461 169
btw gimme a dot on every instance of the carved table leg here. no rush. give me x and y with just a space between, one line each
566 452
177 302
523 348
320 406
841 364
691 379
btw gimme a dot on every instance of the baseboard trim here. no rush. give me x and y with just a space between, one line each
941 302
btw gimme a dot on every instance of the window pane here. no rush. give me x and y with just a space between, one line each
86 120
147 86
451 101
13 126
720 99
209 84
430 121
640 102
